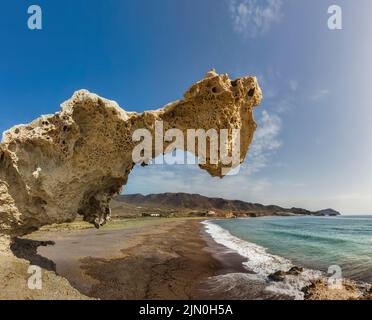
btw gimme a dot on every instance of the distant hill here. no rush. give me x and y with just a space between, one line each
196 203
327 212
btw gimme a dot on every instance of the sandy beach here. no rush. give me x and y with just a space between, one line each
148 258
155 259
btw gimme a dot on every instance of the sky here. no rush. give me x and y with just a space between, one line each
313 145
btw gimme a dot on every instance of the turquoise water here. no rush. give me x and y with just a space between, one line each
312 242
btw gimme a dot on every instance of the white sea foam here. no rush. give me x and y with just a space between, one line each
263 263
259 260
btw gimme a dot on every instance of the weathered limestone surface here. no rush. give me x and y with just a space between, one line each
74 161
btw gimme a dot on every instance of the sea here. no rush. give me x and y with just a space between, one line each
334 247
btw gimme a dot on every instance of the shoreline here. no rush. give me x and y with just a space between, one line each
175 260
167 262
157 259
289 280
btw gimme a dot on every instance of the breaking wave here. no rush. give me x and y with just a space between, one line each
262 264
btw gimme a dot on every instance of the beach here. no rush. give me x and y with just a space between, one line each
150 258
157 259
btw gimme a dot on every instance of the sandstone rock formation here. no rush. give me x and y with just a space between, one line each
74 161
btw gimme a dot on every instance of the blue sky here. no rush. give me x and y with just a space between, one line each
313 146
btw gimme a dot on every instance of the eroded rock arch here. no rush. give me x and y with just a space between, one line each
74 161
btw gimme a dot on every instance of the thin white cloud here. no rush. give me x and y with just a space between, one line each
319 95
254 17
284 105
266 142
293 84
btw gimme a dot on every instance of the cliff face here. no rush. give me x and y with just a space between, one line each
74 161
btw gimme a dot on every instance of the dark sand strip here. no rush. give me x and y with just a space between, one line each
170 260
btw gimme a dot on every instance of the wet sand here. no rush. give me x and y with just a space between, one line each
171 260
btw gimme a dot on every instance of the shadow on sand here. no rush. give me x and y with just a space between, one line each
27 249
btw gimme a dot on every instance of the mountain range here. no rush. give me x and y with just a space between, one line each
196 204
